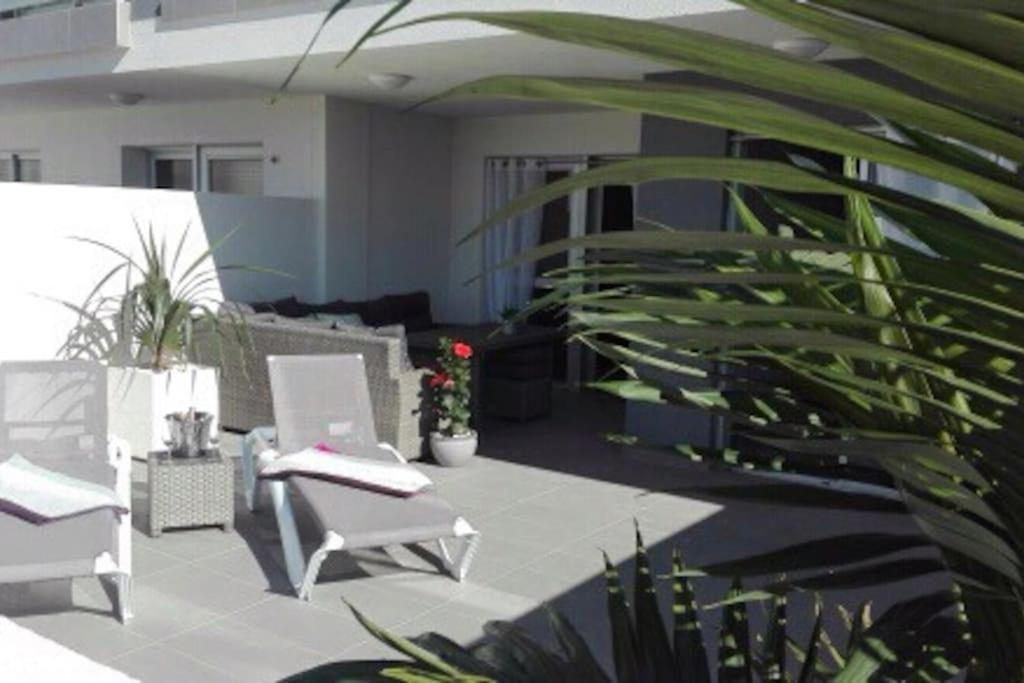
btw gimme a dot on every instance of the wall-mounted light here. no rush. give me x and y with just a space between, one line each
389 81
126 99
804 47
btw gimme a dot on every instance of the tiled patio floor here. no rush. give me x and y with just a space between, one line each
212 606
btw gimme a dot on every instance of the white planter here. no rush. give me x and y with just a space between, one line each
138 400
453 451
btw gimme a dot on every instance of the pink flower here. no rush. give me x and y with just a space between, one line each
462 350
439 379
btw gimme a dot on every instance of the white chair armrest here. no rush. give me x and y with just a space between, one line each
394 451
119 455
257 442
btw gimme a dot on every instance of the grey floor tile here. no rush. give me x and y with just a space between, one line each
160 664
261 567
244 652
304 624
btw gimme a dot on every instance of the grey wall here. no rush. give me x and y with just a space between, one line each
690 205
388 195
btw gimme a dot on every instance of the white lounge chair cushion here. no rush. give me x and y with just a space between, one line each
373 474
39 495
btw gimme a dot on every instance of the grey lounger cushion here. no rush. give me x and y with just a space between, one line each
366 519
68 547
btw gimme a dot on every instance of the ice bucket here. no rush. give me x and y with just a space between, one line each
189 433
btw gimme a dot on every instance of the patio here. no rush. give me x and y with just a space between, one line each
547 496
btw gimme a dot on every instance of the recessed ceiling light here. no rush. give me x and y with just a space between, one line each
389 81
804 47
126 99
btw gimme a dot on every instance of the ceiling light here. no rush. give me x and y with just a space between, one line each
804 47
126 99
389 81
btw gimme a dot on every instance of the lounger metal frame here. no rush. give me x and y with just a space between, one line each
261 443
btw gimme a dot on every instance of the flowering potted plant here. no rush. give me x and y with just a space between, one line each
452 442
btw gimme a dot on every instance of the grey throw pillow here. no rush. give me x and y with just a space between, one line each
339 320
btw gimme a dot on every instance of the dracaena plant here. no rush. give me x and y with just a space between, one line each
920 640
829 346
153 321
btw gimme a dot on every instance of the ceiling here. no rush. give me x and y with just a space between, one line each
435 66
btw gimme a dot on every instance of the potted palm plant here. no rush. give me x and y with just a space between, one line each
145 332
452 441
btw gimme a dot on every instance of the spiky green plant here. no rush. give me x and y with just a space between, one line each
153 320
834 349
643 650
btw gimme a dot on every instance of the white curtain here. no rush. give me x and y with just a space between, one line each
510 287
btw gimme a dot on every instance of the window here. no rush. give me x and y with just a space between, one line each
172 169
231 169
20 167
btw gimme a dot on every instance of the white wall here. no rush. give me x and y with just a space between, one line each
39 263
84 146
589 133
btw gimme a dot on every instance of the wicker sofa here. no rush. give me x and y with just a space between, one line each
397 393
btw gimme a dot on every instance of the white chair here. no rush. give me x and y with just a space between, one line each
55 415
325 399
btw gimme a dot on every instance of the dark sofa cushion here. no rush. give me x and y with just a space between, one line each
411 310
289 307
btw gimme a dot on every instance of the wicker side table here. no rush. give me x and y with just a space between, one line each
190 492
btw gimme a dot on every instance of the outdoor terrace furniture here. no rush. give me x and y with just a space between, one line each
411 310
54 414
397 392
520 363
326 400
190 492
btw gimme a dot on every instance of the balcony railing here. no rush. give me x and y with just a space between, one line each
12 9
39 28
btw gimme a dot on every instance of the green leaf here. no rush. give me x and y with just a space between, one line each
688 638
734 657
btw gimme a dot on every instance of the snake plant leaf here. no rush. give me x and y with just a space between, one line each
624 643
355 671
752 65
406 646
887 640
538 663
654 650
582 666
773 657
734 655
688 637
988 85
456 655
810 663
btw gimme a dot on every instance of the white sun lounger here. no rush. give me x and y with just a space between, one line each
326 399
55 415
